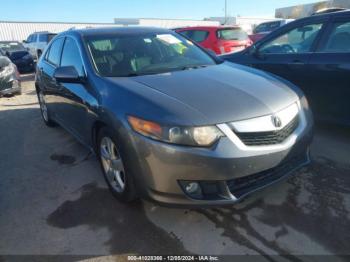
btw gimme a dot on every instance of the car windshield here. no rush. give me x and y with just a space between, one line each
132 55
11 46
232 34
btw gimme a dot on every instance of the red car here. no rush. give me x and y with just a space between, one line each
220 39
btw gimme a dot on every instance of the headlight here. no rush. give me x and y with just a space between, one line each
191 136
304 103
8 70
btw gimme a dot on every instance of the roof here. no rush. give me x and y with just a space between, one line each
208 27
337 14
332 12
118 30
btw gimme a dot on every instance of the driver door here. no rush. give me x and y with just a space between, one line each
287 54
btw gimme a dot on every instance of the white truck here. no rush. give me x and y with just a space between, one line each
37 42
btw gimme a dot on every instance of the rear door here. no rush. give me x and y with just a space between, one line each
47 69
329 88
287 53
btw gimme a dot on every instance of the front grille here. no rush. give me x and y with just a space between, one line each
5 85
244 185
269 138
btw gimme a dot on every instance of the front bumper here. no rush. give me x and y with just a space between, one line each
226 172
11 87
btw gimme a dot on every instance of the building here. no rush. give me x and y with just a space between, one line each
299 11
164 23
19 31
247 23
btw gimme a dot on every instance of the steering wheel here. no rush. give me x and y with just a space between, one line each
288 48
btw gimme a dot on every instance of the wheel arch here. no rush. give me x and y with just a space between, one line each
96 127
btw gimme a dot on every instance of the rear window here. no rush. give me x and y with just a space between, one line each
54 54
50 37
196 35
232 34
267 27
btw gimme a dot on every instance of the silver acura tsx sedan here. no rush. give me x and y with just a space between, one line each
170 122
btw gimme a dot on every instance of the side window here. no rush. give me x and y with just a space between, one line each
339 39
196 35
34 38
54 54
71 56
298 40
274 25
43 38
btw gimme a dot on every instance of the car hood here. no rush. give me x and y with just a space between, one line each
225 92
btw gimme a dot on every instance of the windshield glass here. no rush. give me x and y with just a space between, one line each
232 34
11 46
131 55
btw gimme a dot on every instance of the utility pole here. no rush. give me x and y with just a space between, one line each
225 12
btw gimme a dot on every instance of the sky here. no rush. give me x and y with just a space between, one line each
104 11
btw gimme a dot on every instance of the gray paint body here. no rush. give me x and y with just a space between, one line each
213 95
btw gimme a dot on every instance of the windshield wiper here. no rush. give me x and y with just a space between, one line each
141 74
193 67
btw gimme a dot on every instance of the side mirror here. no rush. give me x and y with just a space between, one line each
67 74
254 51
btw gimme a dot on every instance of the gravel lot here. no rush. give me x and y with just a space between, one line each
53 200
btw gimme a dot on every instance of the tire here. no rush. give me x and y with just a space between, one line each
119 181
45 114
39 54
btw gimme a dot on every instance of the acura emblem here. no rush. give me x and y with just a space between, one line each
277 122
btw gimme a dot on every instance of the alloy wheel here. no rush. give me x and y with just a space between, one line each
112 164
43 107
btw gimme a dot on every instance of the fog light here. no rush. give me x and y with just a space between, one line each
15 84
192 187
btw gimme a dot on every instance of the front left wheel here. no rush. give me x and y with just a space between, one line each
115 173
44 110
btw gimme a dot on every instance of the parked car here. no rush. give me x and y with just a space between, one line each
220 39
9 77
37 42
18 54
314 54
169 121
265 28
